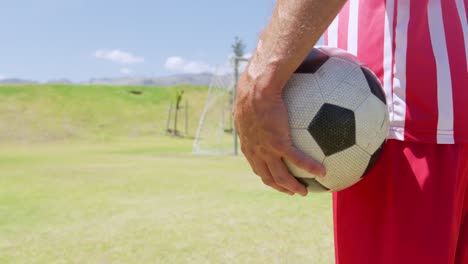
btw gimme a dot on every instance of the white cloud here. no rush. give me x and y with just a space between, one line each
118 56
174 63
181 65
126 71
2 77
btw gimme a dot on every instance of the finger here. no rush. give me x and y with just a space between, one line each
260 168
283 178
251 163
303 161
266 176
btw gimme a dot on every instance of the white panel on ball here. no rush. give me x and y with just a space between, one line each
352 92
331 74
344 168
372 124
303 99
304 141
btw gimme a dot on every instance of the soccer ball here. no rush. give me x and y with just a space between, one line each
337 115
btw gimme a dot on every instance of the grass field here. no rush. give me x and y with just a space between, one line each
49 113
116 198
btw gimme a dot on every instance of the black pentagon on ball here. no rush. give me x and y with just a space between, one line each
333 128
374 84
313 61
313 185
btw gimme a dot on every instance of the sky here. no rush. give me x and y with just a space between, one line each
81 39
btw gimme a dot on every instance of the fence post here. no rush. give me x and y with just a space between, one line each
234 95
168 120
186 118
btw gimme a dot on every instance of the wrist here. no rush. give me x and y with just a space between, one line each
265 78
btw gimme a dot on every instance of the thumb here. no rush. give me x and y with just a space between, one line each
304 161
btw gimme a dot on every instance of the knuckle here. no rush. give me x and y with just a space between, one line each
247 151
244 149
283 181
268 182
278 145
254 170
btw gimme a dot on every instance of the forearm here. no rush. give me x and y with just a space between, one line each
260 115
294 28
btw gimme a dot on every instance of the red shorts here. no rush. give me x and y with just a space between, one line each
411 208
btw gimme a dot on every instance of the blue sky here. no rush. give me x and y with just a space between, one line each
81 39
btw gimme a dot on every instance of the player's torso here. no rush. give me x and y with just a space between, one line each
418 49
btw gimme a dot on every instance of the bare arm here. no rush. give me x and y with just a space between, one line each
260 113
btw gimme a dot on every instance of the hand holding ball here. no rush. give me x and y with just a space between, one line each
337 115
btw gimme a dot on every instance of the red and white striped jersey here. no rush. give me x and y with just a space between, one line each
418 49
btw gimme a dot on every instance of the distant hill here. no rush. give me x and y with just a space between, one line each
16 81
59 81
202 79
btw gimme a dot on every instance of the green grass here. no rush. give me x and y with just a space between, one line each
86 176
41 113
147 200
